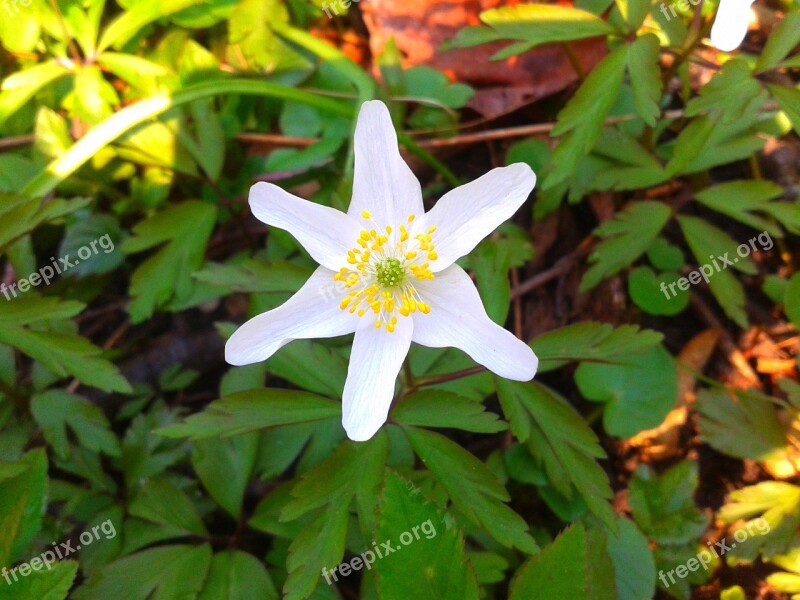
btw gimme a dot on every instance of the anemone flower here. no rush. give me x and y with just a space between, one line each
387 273
730 24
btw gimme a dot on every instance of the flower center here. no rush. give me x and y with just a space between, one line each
390 273
383 268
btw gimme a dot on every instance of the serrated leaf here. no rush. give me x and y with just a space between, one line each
740 199
663 506
709 243
54 410
651 292
741 424
439 408
625 238
252 410
633 561
576 566
583 117
161 502
435 565
52 583
185 228
782 40
789 101
557 435
225 466
19 215
162 573
472 487
592 342
778 504
31 484
638 394
643 67
236 575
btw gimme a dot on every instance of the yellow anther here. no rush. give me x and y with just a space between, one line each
389 229
366 214
432 255
411 218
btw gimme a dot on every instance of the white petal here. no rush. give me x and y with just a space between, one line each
374 364
457 318
326 233
467 214
730 25
383 185
313 312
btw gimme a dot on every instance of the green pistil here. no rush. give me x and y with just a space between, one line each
390 273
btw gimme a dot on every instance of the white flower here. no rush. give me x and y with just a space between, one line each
391 266
730 24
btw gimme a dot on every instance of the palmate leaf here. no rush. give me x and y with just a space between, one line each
473 488
168 274
592 342
435 565
236 575
581 120
561 440
225 466
638 395
575 566
625 238
643 62
776 502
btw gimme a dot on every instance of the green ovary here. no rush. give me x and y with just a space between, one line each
390 273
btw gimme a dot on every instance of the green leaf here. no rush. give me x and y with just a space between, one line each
741 424
135 18
739 199
163 573
312 366
167 275
789 101
709 243
252 410
634 12
773 507
54 410
561 440
643 68
472 487
62 353
30 484
583 116
105 232
539 24
791 299
625 238
253 275
663 506
208 149
651 293
633 561
354 469
491 262
574 566
592 342
439 408
782 40
319 545
20 87
435 566
163 503
225 466
52 583
20 216
236 575
638 394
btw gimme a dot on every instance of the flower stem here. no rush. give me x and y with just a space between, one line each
434 379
